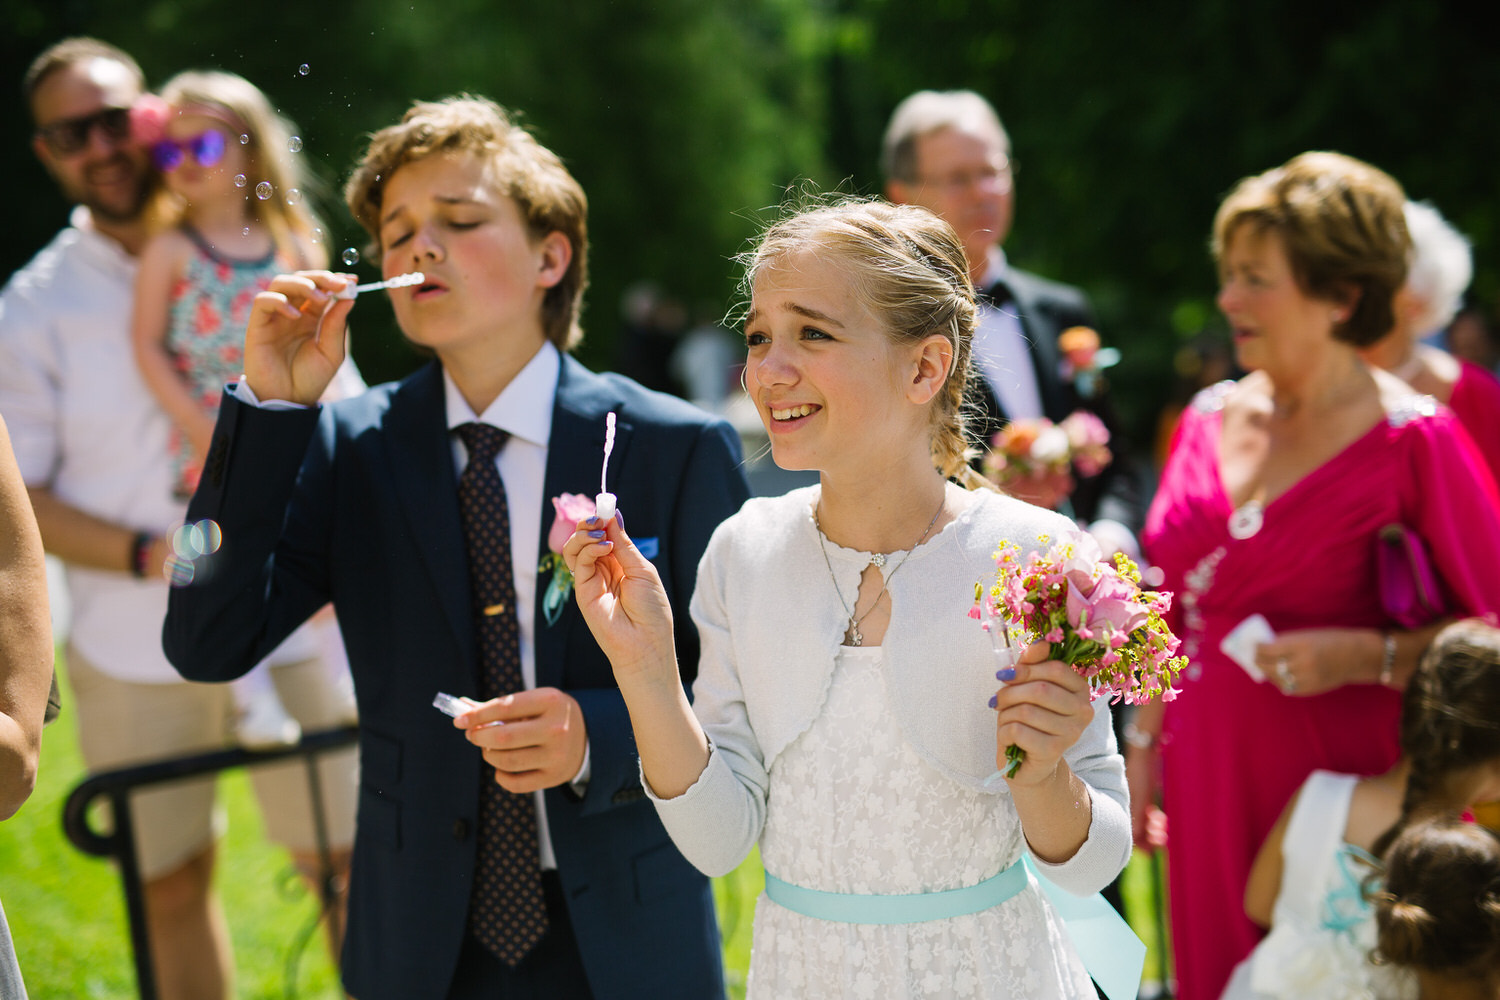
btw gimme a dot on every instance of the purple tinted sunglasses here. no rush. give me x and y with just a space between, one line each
207 148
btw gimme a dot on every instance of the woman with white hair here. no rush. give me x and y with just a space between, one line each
1441 266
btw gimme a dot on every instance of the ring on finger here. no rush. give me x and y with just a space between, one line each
1284 674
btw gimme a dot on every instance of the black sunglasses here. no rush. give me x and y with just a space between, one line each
71 135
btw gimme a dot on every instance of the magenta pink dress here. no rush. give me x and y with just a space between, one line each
1475 401
1234 751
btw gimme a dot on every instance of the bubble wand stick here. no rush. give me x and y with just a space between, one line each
604 503
399 281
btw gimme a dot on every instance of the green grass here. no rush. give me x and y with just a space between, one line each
67 912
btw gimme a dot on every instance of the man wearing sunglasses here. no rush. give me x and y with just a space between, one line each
91 442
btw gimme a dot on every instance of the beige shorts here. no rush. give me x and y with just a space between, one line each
121 723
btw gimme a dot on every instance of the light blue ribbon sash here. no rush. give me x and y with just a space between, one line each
1110 951
852 908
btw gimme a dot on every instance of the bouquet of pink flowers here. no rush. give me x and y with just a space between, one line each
1095 615
1038 449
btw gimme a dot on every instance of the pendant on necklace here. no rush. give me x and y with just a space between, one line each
852 636
1246 521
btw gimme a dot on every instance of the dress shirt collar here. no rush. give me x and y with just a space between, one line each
523 408
104 249
996 268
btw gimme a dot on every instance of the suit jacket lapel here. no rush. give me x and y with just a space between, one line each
421 463
575 451
1041 336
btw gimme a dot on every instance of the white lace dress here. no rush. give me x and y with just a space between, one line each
853 809
1322 929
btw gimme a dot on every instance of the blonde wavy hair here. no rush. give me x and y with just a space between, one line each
908 268
242 106
549 197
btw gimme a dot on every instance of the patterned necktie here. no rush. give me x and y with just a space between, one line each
507 913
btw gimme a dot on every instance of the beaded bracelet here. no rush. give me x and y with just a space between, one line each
140 553
1387 659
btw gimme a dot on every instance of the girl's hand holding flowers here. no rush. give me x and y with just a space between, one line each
1094 617
1042 711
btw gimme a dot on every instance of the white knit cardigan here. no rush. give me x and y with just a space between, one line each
771 625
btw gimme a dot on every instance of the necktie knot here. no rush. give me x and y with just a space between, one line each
483 441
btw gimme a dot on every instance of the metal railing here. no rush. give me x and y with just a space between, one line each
119 844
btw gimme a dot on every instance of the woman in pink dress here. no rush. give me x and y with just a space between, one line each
1441 266
1271 502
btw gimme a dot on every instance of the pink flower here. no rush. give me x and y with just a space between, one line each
1083 562
1112 605
571 508
148 119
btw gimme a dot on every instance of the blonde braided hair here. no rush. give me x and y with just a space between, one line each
908 267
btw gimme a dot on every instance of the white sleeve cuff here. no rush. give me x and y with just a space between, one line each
241 390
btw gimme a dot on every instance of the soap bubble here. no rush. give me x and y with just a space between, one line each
239 180
244 139
293 196
303 69
263 190
179 571
198 539
192 546
351 257
245 231
317 235
294 144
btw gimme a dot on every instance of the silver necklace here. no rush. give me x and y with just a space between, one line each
852 636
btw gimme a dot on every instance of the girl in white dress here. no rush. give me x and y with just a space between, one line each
846 715
1310 879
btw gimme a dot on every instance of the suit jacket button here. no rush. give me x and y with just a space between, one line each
460 829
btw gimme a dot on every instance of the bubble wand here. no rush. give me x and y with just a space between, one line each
399 281
604 503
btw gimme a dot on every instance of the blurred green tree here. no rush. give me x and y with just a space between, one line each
688 122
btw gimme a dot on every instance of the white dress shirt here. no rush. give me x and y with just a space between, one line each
84 426
1001 352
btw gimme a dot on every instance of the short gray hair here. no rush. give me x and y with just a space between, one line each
927 111
1442 265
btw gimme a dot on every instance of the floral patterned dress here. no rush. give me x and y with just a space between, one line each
853 809
210 305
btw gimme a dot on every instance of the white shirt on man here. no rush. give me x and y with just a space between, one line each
1002 353
84 426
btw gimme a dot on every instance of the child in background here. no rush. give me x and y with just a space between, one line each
230 160
1439 915
1307 881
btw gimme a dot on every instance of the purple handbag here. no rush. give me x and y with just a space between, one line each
1409 590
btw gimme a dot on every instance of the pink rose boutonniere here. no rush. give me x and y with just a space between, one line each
1094 614
569 508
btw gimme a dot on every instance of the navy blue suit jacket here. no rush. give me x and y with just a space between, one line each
369 519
